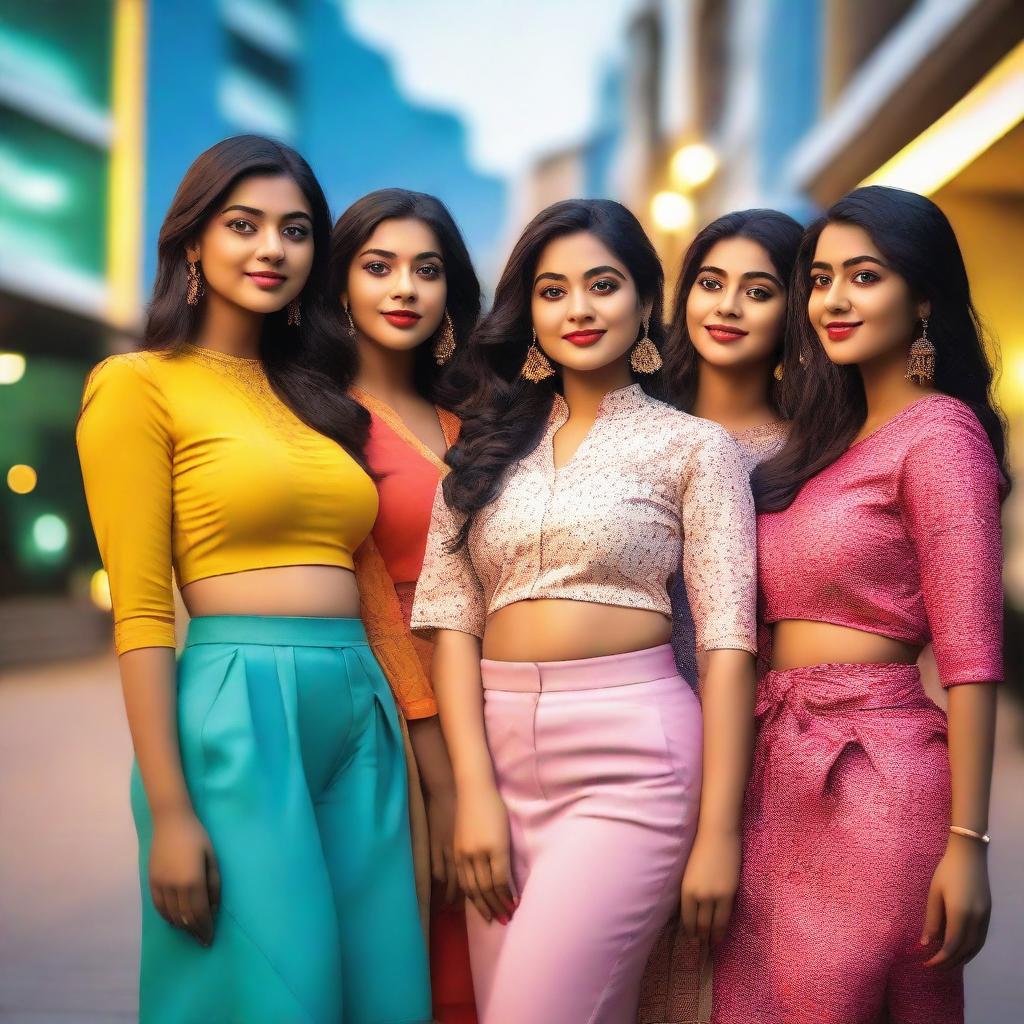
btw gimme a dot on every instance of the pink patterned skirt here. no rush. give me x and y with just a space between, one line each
846 819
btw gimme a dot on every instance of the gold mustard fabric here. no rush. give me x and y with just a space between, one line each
191 462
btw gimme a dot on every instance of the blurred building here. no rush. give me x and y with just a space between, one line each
103 105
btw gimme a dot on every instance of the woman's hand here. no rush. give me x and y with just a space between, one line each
183 875
959 903
482 851
441 824
710 882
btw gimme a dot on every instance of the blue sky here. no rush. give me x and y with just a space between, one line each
522 74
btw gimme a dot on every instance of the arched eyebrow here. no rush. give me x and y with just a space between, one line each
394 256
593 272
253 212
744 277
851 262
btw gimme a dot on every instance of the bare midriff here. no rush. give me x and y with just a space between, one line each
559 630
798 643
313 591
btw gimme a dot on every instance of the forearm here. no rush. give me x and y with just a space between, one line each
728 710
150 698
459 693
972 720
432 759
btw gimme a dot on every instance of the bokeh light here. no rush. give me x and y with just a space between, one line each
672 211
693 165
12 367
99 590
50 533
22 479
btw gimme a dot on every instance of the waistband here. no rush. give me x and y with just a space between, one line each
582 674
275 631
841 687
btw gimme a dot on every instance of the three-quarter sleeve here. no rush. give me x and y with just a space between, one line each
390 640
448 592
950 501
125 449
719 547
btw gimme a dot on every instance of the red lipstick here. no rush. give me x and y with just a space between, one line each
725 334
583 339
403 318
266 279
840 330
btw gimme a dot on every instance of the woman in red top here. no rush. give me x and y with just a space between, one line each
864 887
410 296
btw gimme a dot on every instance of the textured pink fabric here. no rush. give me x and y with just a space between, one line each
602 787
900 536
845 821
650 488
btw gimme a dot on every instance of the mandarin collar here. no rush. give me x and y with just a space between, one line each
628 397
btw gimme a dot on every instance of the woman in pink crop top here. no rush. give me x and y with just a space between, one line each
575 744
411 298
865 887
724 357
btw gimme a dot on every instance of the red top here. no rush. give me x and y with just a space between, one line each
900 536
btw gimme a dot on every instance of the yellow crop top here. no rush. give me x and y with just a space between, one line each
191 460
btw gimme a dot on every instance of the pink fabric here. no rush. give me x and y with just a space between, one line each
900 536
602 786
845 821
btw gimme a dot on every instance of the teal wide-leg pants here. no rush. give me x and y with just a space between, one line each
293 757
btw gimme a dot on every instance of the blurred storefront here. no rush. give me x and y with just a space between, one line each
103 105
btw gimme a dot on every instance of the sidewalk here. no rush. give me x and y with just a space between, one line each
68 886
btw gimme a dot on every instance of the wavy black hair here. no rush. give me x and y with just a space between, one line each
356 225
779 235
309 366
503 415
829 405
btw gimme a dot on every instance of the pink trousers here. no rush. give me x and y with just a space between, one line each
846 819
599 764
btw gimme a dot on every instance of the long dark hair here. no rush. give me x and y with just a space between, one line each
779 235
356 225
829 404
310 366
503 415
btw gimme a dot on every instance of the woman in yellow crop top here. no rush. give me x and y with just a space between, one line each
269 787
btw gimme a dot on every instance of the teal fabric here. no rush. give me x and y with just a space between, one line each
292 752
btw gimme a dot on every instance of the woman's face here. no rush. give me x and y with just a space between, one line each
256 252
396 289
585 306
736 309
861 309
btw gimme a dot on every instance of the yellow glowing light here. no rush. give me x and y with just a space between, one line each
693 165
22 479
12 367
99 590
991 109
672 211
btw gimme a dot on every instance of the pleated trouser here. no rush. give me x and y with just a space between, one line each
292 754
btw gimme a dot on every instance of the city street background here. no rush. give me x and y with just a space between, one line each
681 109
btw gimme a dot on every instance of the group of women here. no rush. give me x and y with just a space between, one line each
577 647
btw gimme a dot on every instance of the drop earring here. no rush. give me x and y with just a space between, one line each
921 361
294 313
537 366
195 289
351 324
645 357
444 347
779 372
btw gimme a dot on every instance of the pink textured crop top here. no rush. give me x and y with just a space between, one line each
900 536
607 527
